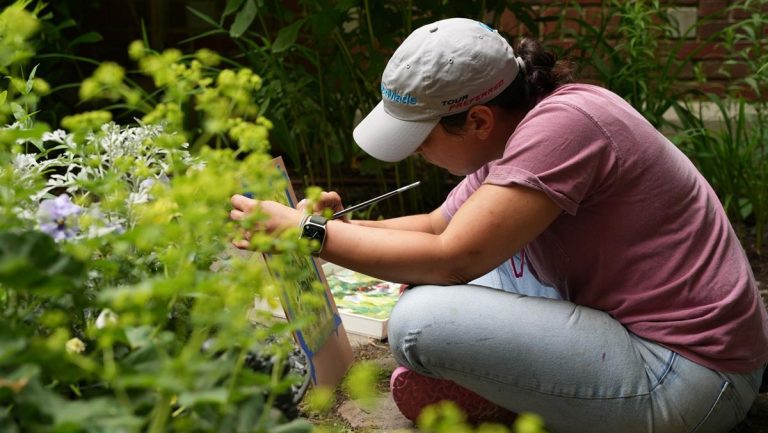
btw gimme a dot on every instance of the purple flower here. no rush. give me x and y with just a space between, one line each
55 217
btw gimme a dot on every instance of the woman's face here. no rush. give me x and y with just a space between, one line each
449 151
465 152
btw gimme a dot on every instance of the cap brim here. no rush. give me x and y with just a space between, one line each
389 139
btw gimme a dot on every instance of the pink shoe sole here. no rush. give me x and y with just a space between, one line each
412 392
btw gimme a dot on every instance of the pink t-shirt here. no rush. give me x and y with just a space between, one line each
642 235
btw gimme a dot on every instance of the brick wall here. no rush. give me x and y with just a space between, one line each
702 44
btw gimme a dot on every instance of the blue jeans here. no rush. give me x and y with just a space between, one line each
577 367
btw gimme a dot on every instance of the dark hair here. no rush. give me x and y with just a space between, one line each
543 73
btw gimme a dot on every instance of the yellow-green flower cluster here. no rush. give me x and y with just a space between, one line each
88 121
231 104
239 87
107 82
136 50
163 67
17 25
250 136
208 57
168 113
169 68
224 100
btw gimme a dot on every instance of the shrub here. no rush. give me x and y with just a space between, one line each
122 304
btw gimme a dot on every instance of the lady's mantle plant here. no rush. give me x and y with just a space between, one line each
113 319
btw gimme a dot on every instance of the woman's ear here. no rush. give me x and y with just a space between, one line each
480 121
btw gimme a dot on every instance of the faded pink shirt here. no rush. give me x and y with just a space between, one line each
642 235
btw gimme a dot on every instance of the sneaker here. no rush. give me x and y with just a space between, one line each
412 392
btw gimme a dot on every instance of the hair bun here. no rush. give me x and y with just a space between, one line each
544 71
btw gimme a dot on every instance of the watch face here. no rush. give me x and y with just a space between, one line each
313 232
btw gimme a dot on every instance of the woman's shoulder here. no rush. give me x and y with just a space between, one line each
597 105
574 106
583 95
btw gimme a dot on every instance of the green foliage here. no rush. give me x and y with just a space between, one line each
20 99
446 417
746 41
192 97
123 305
633 49
322 62
17 26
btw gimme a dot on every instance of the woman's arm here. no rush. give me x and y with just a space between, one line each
492 224
495 222
433 222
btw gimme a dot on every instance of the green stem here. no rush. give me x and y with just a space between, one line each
236 374
370 24
409 17
110 372
201 140
321 89
277 369
350 62
160 414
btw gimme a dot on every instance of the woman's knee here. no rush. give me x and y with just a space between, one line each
409 316
412 310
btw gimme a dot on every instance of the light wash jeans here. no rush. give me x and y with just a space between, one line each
577 367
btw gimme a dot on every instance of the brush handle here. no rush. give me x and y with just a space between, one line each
373 200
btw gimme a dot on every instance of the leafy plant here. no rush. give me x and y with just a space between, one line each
322 62
446 417
123 306
733 156
633 49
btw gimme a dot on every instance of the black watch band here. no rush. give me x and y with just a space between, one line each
313 228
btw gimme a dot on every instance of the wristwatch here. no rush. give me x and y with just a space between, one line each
313 228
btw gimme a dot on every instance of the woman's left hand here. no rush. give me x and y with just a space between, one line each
279 216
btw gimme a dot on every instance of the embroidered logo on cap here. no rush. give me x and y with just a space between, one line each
397 98
466 101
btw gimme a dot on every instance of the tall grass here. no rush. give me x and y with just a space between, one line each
632 48
733 155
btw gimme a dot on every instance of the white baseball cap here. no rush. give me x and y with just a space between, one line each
441 69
